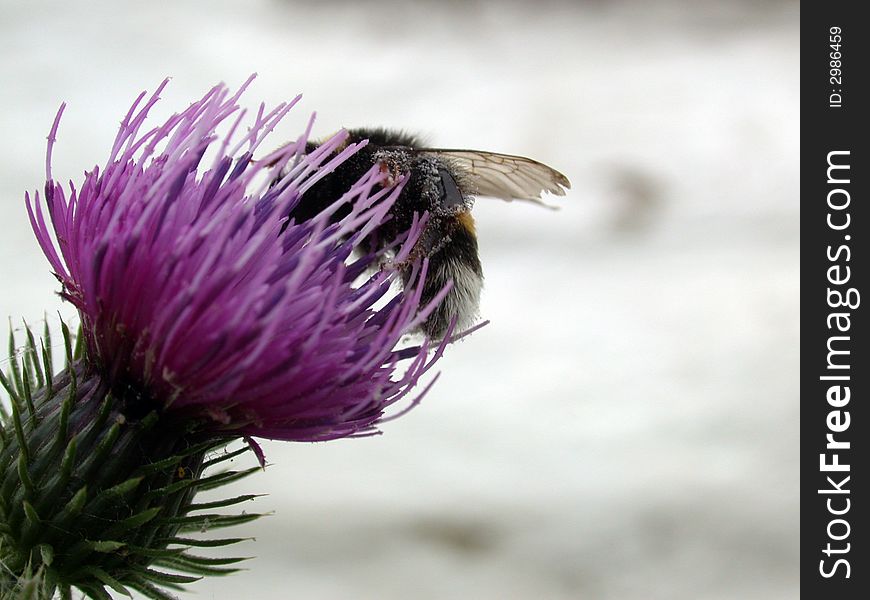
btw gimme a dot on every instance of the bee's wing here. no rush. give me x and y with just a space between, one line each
505 176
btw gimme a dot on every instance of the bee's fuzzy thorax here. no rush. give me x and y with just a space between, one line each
381 136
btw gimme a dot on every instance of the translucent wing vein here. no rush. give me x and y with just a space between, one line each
505 176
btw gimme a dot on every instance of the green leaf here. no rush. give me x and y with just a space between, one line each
136 520
171 461
96 426
28 397
162 465
105 546
31 513
95 591
204 543
74 506
19 432
46 361
47 554
166 578
10 389
212 560
155 552
48 358
65 408
79 350
220 479
69 458
107 579
212 521
222 503
172 488
125 487
196 568
96 458
149 590
33 357
67 344
224 457
13 361
24 474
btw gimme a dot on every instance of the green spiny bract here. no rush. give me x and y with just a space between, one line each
96 489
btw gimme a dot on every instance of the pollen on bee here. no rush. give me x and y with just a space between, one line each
467 221
391 172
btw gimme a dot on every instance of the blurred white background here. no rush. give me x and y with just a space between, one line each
627 426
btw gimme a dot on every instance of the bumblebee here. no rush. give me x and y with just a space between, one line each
444 183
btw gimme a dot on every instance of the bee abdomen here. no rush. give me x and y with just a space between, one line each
457 262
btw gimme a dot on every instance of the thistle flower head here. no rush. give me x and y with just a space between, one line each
208 312
197 293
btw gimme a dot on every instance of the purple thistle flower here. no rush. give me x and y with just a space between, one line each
191 295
